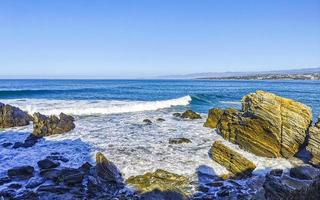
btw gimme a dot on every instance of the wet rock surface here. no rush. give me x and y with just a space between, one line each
189 114
11 116
179 140
23 172
233 161
268 125
50 125
314 143
214 116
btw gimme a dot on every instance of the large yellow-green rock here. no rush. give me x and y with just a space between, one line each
231 160
314 143
161 180
268 125
214 116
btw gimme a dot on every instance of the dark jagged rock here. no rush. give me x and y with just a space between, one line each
106 170
15 186
47 164
163 195
11 116
53 189
232 160
189 114
30 141
214 116
70 176
176 114
179 140
85 167
4 180
147 121
23 172
51 174
304 172
27 195
6 144
45 126
268 125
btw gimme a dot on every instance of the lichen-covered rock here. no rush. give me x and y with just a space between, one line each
11 116
190 115
45 126
232 160
160 180
314 143
214 116
179 140
106 170
269 125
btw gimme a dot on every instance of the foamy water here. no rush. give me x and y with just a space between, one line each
116 129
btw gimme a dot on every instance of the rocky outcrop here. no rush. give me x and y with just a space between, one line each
189 114
268 125
214 116
106 170
45 126
11 116
230 159
314 143
159 180
179 140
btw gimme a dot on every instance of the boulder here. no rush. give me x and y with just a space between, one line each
47 164
106 170
232 160
160 180
214 116
189 114
11 116
179 140
22 172
45 126
314 143
268 125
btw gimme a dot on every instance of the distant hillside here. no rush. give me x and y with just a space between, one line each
307 73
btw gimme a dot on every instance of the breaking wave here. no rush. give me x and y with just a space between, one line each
90 107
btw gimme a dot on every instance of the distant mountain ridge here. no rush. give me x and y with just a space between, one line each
222 75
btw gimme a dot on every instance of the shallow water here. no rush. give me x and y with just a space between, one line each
109 118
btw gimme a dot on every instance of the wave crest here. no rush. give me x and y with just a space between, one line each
87 107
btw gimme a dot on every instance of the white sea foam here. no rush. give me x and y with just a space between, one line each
89 107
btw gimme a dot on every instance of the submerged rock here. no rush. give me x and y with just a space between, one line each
268 125
160 120
106 170
176 114
214 116
314 143
45 126
179 140
190 115
22 172
232 160
147 121
30 141
160 180
11 116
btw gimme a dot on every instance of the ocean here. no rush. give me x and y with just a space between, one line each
109 118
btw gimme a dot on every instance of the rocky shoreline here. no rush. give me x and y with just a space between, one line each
267 125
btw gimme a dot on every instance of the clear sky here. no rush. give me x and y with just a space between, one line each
134 38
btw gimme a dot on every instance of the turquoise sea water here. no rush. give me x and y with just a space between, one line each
205 94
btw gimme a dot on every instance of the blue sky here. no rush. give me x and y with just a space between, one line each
135 38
